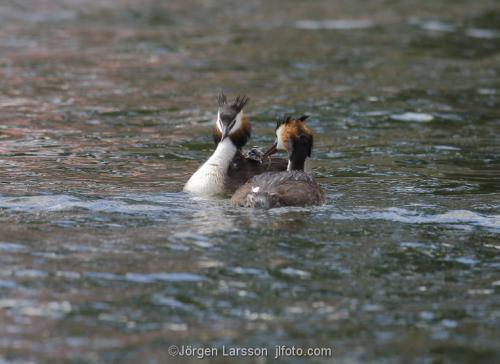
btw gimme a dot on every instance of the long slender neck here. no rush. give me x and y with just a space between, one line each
299 148
297 154
223 155
209 179
297 163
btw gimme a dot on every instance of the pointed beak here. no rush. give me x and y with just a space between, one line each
225 132
272 150
226 129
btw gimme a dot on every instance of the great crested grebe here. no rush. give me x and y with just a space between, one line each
228 168
244 165
293 187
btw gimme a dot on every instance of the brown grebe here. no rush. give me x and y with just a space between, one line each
293 187
228 168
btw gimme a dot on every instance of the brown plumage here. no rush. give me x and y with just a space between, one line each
277 189
288 130
244 167
293 187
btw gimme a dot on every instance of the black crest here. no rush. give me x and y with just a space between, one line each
284 120
287 118
239 103
221 99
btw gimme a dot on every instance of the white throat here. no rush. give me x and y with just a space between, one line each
209 179
236 126
279 137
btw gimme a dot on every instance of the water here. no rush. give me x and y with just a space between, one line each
106 108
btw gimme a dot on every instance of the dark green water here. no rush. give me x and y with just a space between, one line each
105 111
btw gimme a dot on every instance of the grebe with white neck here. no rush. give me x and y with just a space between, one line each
210 178
228 169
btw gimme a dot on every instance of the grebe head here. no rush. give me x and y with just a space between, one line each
296 138
231 121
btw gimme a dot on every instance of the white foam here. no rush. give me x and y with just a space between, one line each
289 271
482 33
437 26
337 24
434 25
413 117
169 277
414 217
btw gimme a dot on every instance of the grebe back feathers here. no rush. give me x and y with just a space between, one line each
293 187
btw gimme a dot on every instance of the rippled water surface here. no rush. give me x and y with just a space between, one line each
105 111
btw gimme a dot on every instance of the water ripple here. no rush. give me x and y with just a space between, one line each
414 217
169 277
125 204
